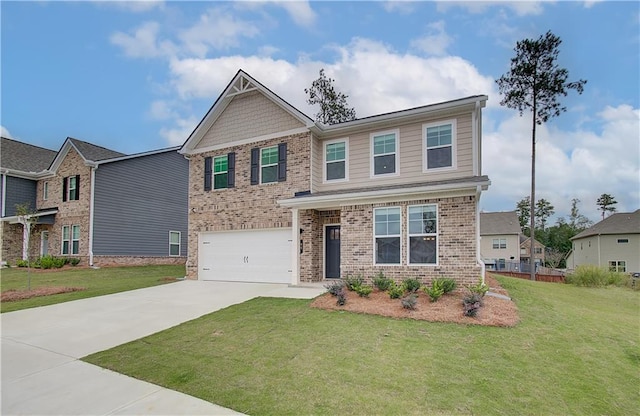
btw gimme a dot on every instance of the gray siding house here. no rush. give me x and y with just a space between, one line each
96 204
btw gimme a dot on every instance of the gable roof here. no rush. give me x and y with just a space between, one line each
90 153
240 84
499 223
620 223
24 158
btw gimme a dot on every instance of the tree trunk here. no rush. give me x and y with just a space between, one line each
532 230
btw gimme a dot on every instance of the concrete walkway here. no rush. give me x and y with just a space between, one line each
41 373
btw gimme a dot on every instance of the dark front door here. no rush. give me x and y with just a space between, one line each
332 252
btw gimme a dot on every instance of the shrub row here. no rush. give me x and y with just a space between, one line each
49 262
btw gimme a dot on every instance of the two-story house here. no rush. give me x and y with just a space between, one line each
500 240
98 205
277 197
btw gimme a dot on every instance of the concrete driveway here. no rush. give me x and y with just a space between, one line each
41 373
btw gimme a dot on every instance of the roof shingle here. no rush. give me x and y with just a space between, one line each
499 223
620 223
24 157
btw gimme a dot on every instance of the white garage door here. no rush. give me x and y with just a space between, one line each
245 256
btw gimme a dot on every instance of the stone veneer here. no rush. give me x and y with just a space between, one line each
456 242
245 206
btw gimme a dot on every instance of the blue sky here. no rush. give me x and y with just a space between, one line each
137 76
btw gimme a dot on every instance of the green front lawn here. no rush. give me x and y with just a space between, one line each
97 282
576 351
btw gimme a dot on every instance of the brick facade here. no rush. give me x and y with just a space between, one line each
245 206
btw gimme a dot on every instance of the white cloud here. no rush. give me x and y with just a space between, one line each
300 12
143 43
178 135
520 8
4 132
402 7
435 42
598 163
135 6
161 110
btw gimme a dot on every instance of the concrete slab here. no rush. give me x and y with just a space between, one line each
40 348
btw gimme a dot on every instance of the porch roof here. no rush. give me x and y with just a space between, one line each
44 217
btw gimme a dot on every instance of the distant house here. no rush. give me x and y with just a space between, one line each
525 251
95 204
613 243
500 240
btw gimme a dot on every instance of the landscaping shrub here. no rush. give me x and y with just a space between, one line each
448 285
382 282
334 287
353 282
411 284
74 261
342 296
395 290
435 291
364 291
479 288
22 263
410 301
471 304
594 276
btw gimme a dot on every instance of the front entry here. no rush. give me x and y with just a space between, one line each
332 252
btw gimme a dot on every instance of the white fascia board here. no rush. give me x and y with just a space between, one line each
387 195
126 157
14 219
25 175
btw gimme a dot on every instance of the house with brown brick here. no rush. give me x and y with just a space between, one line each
277 197
92 203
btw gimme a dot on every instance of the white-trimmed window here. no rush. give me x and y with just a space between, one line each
423 234
623 240
336 160
220 172
73 189
45 190
499 243
618 266
174 243
70 239
387 235
269 164
439 145
384 153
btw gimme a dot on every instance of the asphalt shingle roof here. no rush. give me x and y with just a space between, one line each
24 157
92 152
499 223
620 223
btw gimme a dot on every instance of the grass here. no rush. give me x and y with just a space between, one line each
576 351
97 282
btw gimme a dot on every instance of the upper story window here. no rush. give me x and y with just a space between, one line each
269 164
387 235
499 243
45 190
220 172
335 160
423 237
384 153
439 145
71 188
623 240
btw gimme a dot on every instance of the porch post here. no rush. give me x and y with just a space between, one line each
26 232
295 246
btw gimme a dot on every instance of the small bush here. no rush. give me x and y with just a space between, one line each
342 297
594 276
364 291
434 292
411 284
446 284
334 287
471 304
479 288
22 263
353 282
382 282
74 261
395 290
410 301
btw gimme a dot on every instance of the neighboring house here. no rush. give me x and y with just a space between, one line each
613 243
98 205
500 240
525 251
277 197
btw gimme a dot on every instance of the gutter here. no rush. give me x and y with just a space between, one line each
91 213
4 194
478 255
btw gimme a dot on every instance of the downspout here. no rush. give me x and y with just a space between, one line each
474 139
478 255
91 208
4 195
599 258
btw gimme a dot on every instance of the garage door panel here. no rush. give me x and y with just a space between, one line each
246 256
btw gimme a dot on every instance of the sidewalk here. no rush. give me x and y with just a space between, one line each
41 347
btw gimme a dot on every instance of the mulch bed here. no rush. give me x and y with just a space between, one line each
494 312
14 294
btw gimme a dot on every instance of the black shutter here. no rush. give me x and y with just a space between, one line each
77 187
64 189
231 170
282 162
208 173
255 166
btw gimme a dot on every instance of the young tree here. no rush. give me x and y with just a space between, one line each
544 210
535 83
523 210
333 105
577 221
606 203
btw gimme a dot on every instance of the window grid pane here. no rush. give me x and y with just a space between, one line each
423 240
335 151
385 144
220 164
269 156
439 135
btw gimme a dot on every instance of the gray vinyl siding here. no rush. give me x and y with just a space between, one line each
137 202
20 191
